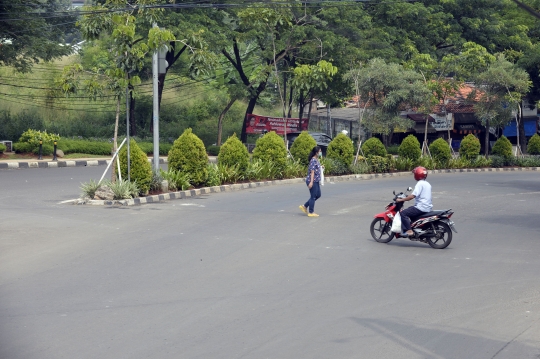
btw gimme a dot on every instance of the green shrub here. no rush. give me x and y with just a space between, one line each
85 147
157 178
427 162
177 180
373 147
229 173
440 151
480 162
294 169
233 152
497 161
271 148
410 148
188 155
378 164
148 148
3 148
23 147
502 147
392 149
302 146
140 169
213 150
460 162
213 175
533 147
33 137
359 168
88 189
341 149
260 170
46 150
469 147
404 164
124 189
529 161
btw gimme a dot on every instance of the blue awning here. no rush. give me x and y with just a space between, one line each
530 124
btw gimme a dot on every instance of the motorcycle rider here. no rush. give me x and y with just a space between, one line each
422 200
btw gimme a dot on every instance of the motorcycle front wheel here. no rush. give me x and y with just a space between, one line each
380 230
443 235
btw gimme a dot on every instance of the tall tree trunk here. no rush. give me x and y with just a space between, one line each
522 138
220 120
486 139
251 106
289 114
301 105
115 140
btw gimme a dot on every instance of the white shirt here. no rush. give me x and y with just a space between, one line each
422 193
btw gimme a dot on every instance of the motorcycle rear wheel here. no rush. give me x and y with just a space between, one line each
380 230
443 236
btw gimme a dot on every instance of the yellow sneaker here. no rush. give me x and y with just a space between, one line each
313 215
303 209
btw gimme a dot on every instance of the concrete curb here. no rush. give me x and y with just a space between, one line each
241 186
63 163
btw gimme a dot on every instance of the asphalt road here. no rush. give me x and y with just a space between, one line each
247 275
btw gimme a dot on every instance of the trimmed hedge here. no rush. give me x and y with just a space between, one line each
410 148
140 169
440 151
271 148
374 147
302 146
470 147
233 152
341 149
502 147
188 155
533 147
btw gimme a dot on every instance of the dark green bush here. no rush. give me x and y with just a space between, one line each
233 152
379 164
533 147
410 148
373 147
341 149
302 146
392 149
271 148
23 147
502 147
334 167
213 150
188 155
497 161
469 147
440 151
529 161
3 148
213 175
140 170
46 150
85 146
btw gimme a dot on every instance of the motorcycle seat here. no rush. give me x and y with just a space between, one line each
429 214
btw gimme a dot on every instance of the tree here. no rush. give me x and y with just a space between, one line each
501 83
390 88
27 35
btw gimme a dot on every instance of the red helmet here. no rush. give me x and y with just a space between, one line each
419 173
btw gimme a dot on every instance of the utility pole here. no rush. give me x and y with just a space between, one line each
155 113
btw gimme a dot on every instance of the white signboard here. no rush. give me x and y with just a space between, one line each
442 123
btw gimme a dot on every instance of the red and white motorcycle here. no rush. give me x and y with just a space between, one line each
434 228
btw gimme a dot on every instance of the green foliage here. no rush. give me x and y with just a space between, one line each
148 148
502 147
140 168
426 162
294 169
124 189
271 148
213 175
497 161
213 150
177 180
360 167
233 152
470 147
188 156
33 138
460 162
88 189
440 151
157 178
85 146
302 146
23 147
480 162
392 149
404 164
410 148
533 147
378 164
261 170
229 173
46 150
341 149
529 161
2 148
374 147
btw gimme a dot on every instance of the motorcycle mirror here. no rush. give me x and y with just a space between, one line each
394 192
409 189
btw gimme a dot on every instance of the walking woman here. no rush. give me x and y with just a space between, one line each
312 180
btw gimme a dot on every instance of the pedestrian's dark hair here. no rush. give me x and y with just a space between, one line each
313 152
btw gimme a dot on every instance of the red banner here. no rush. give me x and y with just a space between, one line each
261 124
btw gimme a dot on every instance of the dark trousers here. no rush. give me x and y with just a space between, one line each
315 194
406 215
